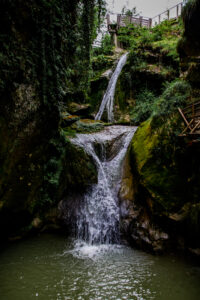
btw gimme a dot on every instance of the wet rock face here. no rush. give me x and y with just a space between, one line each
109 149
146 235
82 110
164 196
136 217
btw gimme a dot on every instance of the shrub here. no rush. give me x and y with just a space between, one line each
174 96
106 47
144 106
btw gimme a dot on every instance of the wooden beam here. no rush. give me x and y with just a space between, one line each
187 127
168 14
118 20
195 127
140 20
177 11
184 118
181 7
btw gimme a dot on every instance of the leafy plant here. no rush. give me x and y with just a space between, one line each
174 96
106 47
144 106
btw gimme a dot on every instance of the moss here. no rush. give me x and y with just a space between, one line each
157 170
144 137
163 164
87 126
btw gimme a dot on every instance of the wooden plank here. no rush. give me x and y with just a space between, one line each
184 118
187 127
189 106
190 114
195 127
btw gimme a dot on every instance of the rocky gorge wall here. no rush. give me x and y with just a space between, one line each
37 162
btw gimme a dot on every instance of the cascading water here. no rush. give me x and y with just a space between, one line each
108 99
98 218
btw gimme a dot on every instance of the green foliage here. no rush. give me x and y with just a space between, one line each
175 95
101 62
143 107
147 104
163 38
129 12
106 47
87 126
45 57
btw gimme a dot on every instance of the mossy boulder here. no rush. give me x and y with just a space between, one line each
157 163
67 119
87 126
79 109
167 169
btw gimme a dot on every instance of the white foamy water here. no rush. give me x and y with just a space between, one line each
98 217
84 250
108 99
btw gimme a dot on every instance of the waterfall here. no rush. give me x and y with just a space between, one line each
108 99
98 217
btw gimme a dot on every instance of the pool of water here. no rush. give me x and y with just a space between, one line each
52 267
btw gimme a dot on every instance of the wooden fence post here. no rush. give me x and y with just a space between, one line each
177 11
118 21
181 7
159 19
140 21
168 14
150 23
108 19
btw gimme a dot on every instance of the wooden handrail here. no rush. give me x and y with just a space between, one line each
145 21
195 104
191 117
167 10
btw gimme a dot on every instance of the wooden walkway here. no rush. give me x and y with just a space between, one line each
123 20
191 117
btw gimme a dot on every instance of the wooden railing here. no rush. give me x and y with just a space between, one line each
171 13
191 117
124 20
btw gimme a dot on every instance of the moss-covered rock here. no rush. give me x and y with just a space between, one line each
67 119
87 126
157 167
82 110
164 168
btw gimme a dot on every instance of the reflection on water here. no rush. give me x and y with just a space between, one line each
49 267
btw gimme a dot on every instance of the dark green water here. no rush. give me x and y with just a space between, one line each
48 267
